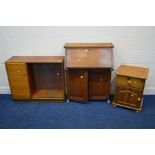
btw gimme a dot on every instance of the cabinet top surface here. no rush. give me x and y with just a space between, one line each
36 59
88 45
132 71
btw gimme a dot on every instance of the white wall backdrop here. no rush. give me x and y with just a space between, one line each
133 45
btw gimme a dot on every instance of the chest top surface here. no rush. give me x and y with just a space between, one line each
132 71
89 55
36 59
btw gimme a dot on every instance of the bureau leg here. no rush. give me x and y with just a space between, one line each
108 101
114 105
67 100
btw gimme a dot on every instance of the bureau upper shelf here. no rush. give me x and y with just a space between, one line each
36 59
88 45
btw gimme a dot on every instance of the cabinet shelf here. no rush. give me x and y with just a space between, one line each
48 94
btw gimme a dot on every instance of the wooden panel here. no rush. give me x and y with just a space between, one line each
132 71
128 96
130 82
77 84
99 84
89 58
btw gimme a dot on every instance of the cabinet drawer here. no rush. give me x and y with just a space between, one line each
128 96
130 82
20 94
16 68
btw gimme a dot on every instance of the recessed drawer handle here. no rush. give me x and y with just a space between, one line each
81 77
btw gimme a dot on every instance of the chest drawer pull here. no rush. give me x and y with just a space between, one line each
81 77
139 99
58 74
129 82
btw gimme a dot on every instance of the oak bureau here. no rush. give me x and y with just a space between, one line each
88 68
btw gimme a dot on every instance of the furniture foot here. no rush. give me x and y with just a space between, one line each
67 100
114 106
137 111
108 101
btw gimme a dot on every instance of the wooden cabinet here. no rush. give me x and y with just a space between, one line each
88 68
36 78
18 79
130 82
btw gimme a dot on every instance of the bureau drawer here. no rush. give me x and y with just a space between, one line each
89 58
130 82
16 68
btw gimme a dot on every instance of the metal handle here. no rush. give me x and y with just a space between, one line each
58 74
86 50
129 81
18 71
81 77
139 99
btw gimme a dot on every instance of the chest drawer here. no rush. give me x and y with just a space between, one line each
128 96
130 82
16 68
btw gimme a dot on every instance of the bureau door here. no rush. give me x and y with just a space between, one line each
18 80
99 84
129 97
77 85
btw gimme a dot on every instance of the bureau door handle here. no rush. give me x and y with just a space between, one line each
129 82
58 74
86 50
81 77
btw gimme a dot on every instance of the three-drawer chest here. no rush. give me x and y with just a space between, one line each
130 82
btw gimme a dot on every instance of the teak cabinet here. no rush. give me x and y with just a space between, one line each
130 82
36 77
88 68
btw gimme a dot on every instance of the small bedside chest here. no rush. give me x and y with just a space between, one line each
130 82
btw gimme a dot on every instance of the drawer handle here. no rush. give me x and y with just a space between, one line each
81 77
58 74
79 60
129 82
18 71
139 99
